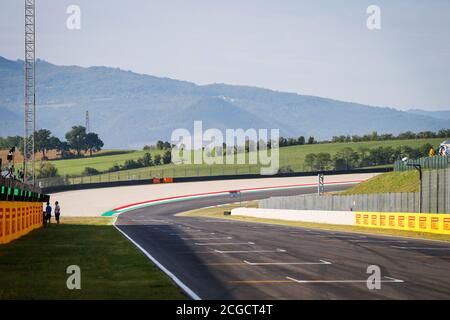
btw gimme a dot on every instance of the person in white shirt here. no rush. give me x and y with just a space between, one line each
57 212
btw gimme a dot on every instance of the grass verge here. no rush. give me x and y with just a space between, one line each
407 181
218 212
34 266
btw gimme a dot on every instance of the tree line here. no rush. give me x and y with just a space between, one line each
347 158
77 140
374 136
146 161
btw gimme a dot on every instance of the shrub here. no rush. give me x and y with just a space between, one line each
88 171
46 170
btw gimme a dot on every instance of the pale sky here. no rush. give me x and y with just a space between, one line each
316 47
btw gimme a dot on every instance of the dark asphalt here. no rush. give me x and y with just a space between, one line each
222 259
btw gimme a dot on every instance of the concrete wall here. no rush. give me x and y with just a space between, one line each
317 216
435 199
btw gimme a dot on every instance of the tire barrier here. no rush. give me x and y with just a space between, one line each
419 222
18 218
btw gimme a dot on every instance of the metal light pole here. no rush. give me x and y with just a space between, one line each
321 184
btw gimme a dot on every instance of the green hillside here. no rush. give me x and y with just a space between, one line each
292 156
407 181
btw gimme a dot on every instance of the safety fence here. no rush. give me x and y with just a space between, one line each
17 218
434 223
433 198
436 162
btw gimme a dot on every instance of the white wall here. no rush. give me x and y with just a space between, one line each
330 217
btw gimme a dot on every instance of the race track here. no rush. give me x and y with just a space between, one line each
223 259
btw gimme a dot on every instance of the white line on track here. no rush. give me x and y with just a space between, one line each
389 280
223 243
251 251
284 263
184 287
185 234
379 241
226 238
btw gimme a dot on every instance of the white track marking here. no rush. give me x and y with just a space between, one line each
185 288
379 241
226 238
284 263
185 234
251 251
351 238
223 243
389 280
419 248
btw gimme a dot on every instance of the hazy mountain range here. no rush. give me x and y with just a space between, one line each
129 109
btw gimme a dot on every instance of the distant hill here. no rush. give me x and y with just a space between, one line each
129 109
445 114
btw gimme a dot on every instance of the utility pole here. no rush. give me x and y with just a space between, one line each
30 93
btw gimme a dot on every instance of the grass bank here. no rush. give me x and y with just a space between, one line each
218 212
34 267
407 181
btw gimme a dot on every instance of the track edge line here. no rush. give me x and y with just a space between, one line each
174 278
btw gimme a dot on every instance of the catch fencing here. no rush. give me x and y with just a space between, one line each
434 198
436 162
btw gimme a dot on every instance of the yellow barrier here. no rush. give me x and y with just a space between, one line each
421 222
18 218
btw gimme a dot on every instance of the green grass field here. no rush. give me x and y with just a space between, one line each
289 156
34 266
407 181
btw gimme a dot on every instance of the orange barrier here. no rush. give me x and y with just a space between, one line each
162 180
19 218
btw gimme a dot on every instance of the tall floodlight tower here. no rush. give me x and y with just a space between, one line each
30 93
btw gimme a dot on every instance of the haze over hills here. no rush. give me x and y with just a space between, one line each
129 109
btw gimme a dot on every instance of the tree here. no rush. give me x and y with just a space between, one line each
311 140
157 160
310 160
349 157
301 140
42 141
77 138
323 161
93 143
160 145
167 157
63 148
147 160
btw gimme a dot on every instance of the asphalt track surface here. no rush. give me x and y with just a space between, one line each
223 259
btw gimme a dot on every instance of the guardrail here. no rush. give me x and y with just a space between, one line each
151 180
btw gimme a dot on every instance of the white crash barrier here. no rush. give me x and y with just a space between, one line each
317 216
